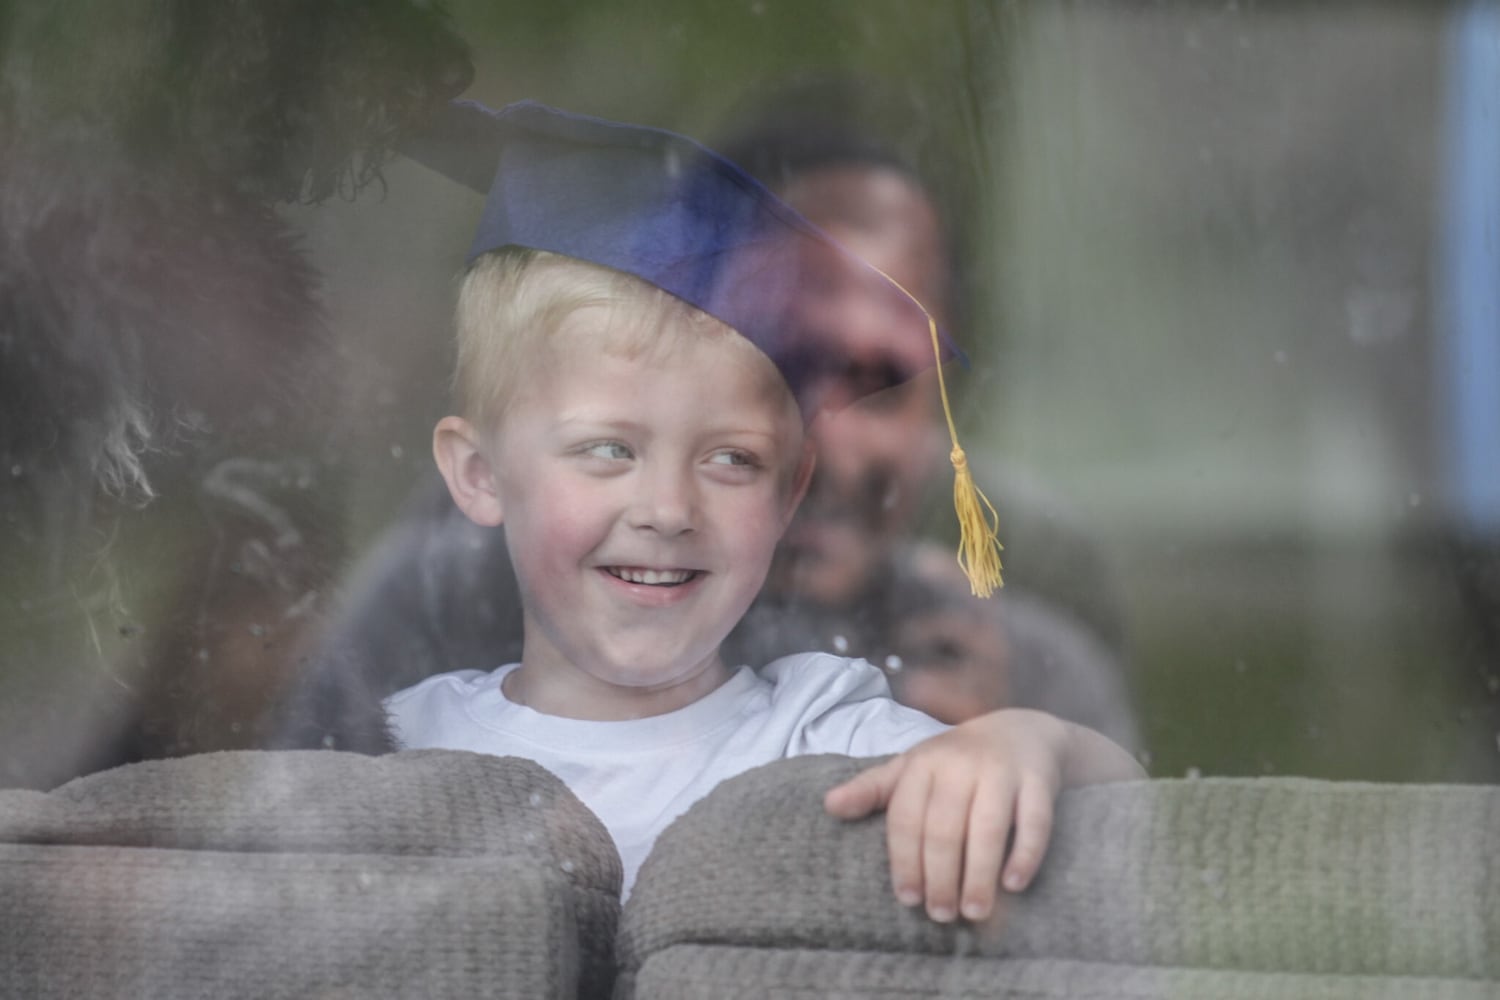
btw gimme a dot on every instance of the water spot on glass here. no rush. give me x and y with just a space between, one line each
1379 315
257 630
1145 758
567 867
397 451
203 655
529 837
758 8
1493 683
1279 357
365 880
840 644
303 605
15 470
328 742
1240 666
535 798
235 727
1413 499
1193 774
893 663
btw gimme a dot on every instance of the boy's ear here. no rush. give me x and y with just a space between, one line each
801 479
467 471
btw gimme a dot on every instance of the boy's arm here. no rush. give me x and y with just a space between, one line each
952 801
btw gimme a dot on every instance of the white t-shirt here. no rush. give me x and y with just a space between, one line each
639 775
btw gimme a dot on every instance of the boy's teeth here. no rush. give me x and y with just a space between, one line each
654 577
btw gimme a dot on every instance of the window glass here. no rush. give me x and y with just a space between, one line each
1224 276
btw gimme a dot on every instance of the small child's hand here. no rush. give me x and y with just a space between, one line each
951 802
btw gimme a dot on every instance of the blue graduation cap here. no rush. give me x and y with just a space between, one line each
664 208
674 213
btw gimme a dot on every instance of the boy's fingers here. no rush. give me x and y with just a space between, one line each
904 820
1033 830
947 819
989 828
866 792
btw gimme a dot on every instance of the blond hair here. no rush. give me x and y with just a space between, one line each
512 303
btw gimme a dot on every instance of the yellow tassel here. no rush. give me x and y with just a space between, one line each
978 524
978 546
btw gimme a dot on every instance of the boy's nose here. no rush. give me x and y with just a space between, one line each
667 503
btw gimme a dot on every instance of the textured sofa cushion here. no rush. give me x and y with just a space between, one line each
297 874
1208 887
725 972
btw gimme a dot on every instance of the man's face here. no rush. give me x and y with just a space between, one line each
874 454
642 499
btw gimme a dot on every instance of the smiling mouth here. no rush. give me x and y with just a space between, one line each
653 577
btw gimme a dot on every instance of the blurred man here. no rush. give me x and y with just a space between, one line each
883 471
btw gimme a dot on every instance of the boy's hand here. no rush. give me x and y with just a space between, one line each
952 801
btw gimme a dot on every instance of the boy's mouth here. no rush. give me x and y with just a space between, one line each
652 577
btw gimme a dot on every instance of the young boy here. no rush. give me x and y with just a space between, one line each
632 391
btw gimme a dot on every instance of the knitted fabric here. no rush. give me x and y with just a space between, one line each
697 972
1170 884
421 874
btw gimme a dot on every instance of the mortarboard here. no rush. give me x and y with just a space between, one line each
662 207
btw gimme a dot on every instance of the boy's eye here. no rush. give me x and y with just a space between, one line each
612 450
734 456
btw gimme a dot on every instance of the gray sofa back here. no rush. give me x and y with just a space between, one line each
448 874
1207 888
306 874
